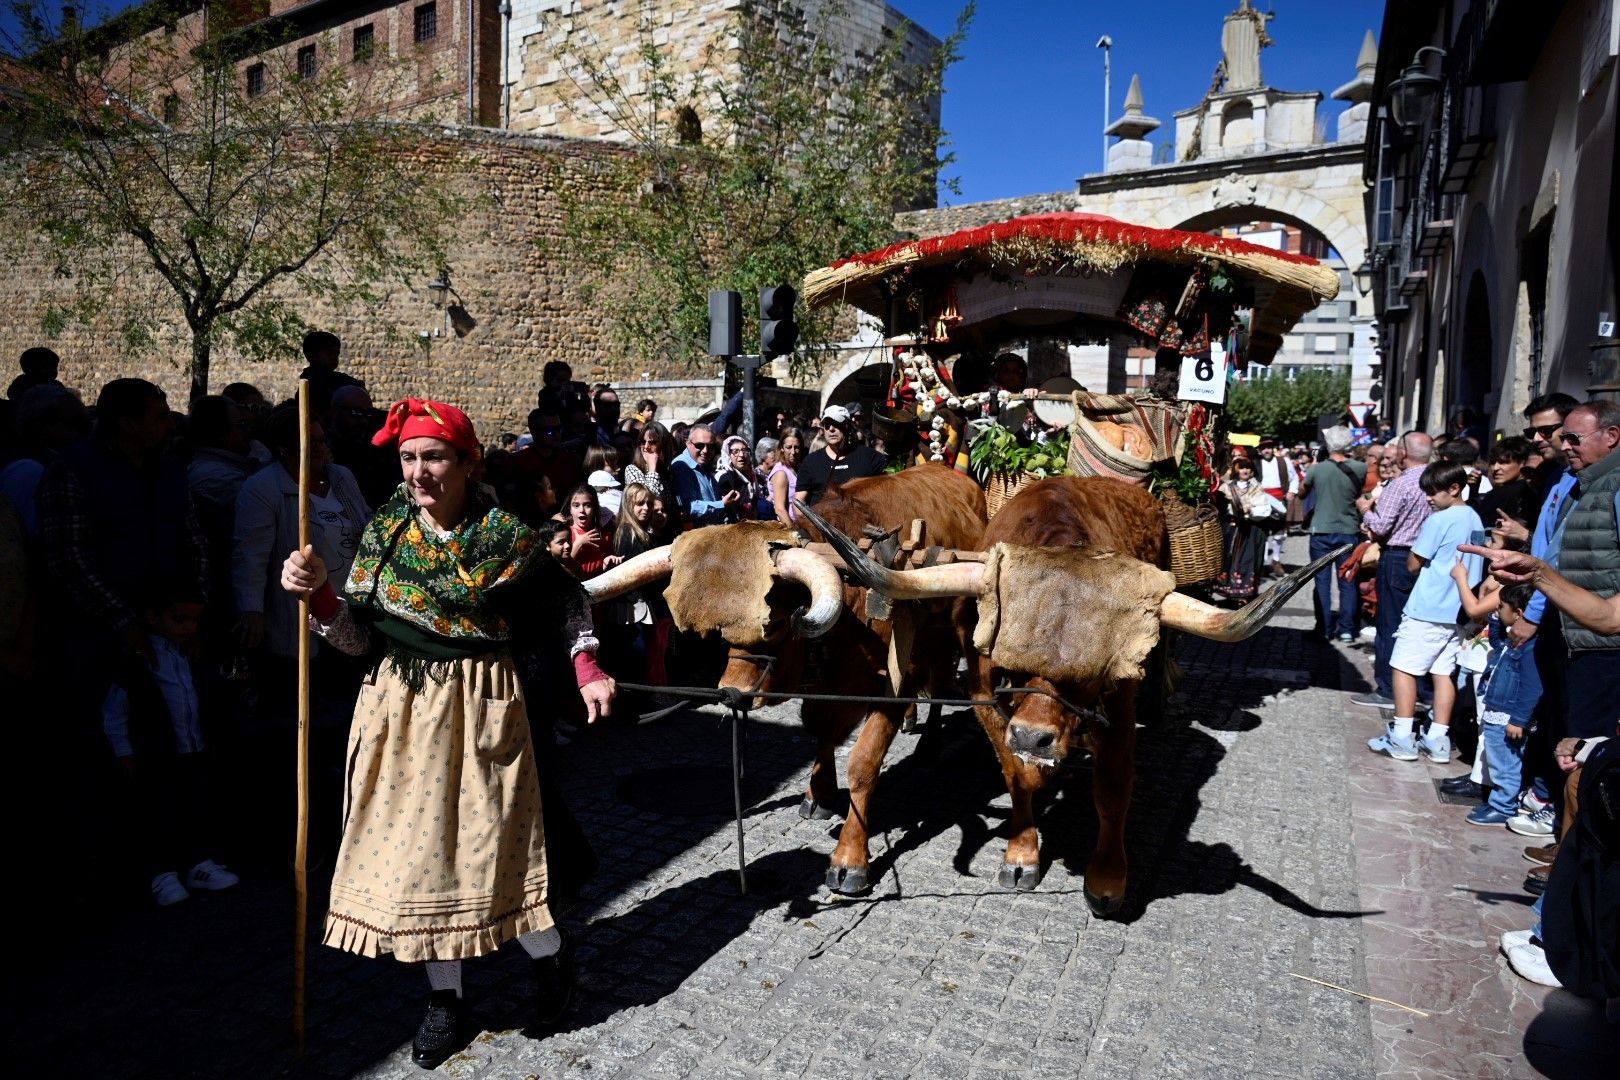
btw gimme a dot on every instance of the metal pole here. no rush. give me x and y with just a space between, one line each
748 404
1106 44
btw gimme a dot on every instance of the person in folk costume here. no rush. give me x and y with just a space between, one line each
444 854
1278 480
1247 508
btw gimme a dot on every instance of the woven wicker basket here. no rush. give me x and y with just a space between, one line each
1002 488
1197 548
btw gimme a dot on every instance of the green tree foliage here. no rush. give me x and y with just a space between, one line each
1287 408
748 174
145 146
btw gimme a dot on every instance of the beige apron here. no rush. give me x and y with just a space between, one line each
443 854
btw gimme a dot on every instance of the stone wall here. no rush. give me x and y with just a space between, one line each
698 39
507 263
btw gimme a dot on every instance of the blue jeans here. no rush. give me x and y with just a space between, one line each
1321 544
1395 583
1505 759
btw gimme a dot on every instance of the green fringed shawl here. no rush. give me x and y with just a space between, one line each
435 598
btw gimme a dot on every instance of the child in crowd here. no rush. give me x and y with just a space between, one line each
1510 689
153 724
1427 641
607 494
605 460
629 619
554 535
588 544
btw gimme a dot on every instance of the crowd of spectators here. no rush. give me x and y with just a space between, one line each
162 535
147 545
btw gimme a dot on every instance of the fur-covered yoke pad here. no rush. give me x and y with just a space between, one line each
720 578
1071 614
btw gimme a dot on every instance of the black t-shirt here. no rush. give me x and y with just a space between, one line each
819 471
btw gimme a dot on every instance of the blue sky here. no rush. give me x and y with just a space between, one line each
1023 107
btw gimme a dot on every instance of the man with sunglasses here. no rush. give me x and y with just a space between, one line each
1589 556
840 461
692 472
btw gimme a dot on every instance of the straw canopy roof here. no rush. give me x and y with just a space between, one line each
1281 286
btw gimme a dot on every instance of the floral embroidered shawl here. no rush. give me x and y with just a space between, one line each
441 584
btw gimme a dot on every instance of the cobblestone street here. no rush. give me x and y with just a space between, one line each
1244 876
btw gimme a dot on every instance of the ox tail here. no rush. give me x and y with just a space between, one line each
1182 612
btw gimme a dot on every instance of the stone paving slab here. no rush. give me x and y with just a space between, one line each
1244 874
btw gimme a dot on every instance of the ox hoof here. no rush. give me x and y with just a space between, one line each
849 880
911 723
809 809
1104 907
1019 876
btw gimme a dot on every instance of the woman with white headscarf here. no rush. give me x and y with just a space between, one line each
737 473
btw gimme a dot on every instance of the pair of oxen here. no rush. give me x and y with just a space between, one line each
1065 604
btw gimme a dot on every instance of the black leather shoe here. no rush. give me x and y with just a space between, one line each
439 1035
554 984
1463 787
1535 883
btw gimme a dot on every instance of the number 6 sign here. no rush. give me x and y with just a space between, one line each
1203 377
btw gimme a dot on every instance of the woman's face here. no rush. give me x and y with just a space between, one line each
1243 470
546 495
1505 472
650 443
660 517
436 473
582 511
641 512
738 457
792 450
558 545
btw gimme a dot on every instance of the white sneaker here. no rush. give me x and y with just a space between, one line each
1515 939
1529 803
1369 633
166 889
209 876
1436 749
1539 823
1530 962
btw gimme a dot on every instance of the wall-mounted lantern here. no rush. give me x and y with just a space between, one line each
1413 94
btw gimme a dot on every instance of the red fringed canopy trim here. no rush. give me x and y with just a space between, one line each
1068 228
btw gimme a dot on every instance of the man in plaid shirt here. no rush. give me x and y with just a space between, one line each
1395 522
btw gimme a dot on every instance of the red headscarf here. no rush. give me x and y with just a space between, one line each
414 418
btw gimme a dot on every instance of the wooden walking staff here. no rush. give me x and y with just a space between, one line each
301 848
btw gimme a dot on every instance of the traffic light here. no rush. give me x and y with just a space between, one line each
778 333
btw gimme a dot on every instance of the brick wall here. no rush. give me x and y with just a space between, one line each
505 263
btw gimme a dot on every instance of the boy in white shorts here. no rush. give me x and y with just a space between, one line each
1427 641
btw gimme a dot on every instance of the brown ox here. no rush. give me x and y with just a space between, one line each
1094 616
716 585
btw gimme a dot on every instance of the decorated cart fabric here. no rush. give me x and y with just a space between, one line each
1175 288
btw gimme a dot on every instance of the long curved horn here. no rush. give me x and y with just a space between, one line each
1181 612
826 591
928 583
629 575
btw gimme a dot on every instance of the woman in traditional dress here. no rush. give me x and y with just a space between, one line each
444 852
1247 505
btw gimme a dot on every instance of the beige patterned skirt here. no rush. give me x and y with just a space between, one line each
443 854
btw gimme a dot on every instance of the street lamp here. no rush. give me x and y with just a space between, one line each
1412 95
1364 277
439 288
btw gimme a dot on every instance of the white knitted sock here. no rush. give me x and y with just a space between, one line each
444 975
540 944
